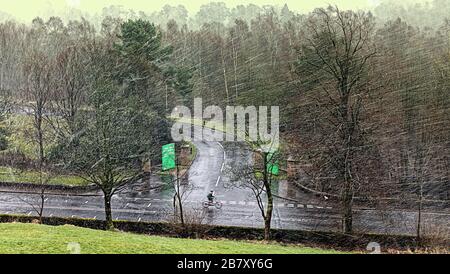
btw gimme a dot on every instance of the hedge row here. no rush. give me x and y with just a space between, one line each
312 238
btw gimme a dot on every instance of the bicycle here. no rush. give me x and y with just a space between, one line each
216 204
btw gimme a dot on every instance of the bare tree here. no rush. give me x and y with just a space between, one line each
225 80
258 177
38 87
38 205
338 50
181 191
419 164
69 93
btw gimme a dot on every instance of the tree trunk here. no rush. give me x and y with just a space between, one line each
180 205
268 219
235 56
347 138
225 77
347 199
267 228
40 139
419 217
167 99
347 218
178 194
41 209
108 212
267 186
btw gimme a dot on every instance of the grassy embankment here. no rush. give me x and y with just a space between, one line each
20 140
40 239
11 175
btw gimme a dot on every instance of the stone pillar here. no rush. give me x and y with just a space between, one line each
147 167
258 161
185 153
293 167
287 189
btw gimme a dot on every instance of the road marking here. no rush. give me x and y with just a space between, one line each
220 145
218 180
86 202
51 215
319 207
149 205
46 199
223 163
241 203
95 217
329 207
310 206
232 202
291 205
29 213
300 206
139 220
127 204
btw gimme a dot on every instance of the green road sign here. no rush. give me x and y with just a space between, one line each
168 157
272 166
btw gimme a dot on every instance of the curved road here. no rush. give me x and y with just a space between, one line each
207 173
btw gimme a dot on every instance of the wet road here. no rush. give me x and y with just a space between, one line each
234 213
209 172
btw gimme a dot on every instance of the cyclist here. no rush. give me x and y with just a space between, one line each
211 196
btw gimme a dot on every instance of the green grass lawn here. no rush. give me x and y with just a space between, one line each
39 239
11 175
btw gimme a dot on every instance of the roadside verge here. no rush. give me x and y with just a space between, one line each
321 239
